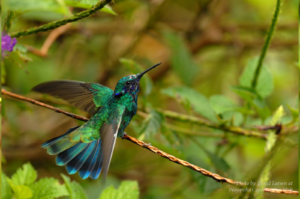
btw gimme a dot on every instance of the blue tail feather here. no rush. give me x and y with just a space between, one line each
84 158
98 165
66 156
89 165
76 163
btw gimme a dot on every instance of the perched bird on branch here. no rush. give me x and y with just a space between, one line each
88 149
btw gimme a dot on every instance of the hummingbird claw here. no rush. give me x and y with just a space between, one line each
124 135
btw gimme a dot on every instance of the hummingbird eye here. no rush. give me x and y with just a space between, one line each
128 83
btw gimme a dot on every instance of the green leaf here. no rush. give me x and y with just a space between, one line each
146 82
21 51
25 175
74 189
21 48
172 137
218 162
235 118
108 193
34 5
20 191
271 138
108 9
48 188
152 124
255 101
181 59
88 4
294 112
245 93
127 190
6 191
248 74
279 113
206 185
198 101
261 108
222 104
264 85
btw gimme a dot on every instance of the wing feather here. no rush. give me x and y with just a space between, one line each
79 94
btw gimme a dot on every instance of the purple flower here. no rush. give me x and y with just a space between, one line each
7 43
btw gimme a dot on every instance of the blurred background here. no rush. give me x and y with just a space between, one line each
203 44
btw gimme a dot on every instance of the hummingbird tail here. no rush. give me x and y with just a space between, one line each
56 139
83 157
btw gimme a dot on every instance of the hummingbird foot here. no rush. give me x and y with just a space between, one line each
123 135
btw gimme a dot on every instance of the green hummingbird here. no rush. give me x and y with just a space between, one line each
88 149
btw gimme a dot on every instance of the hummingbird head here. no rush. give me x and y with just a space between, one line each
130 84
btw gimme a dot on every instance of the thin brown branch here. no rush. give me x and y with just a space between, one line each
43 52
153 149
78 117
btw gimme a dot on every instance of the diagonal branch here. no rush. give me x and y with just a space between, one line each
153 149
212 175
61 22
78 117
49 41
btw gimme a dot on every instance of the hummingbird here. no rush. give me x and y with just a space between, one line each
88 149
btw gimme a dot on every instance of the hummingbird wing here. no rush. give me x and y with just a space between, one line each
108 133
88 97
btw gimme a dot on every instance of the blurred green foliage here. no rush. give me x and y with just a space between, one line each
209 52
23 185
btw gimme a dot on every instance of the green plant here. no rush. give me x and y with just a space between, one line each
24 185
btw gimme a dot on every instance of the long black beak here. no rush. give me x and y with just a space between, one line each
140 75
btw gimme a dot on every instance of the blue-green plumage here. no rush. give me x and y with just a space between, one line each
88 149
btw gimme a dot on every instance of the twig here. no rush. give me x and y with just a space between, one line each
266 44
216 177
187 118
61 22
78 117
153 149
187 132
49 41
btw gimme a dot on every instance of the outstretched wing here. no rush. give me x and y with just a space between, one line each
86 96
108 133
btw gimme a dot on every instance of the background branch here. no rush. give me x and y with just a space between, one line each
43 52
62 22
153 149
199 121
